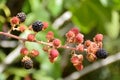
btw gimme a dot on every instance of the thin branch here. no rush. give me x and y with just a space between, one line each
40 42
94 66
60 21
14 54
13 36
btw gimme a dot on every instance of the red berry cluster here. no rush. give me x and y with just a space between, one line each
77 61
17 24
27 61
93 48
33 53
52 49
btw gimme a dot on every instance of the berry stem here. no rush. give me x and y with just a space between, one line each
40 42
11 35
45 43
68 47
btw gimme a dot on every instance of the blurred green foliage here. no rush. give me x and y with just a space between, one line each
90 16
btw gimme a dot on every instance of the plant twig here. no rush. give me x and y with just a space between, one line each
13 36
14 54
94 66
60 21
40 42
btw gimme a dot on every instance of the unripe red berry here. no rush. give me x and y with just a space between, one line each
80 56
75 30
34 53
79 67
53 53
46 48
45 25
79 38
22 28
14 20
50 35
56 42
24 51
31 37
80 48
70 34
100 44
98 38
77 61
52 60
92 48
87 43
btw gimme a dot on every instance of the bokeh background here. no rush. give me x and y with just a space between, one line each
90 16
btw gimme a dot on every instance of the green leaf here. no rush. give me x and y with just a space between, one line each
5 9
38 12
26 7
55 6
30 18
32 45
41 75
3 1
25 34
89 14
18 71
35 5
17 78
2 76
2 19
115 4
2 55
41 36
41 15
113 27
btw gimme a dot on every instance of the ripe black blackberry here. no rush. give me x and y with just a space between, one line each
21 16
28 64
101 53
37 26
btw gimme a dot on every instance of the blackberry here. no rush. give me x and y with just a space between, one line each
101 53
37 26
21 16
28 64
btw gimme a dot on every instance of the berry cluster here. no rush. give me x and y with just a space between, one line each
77 61
52 49
93 48
16 22
27 61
